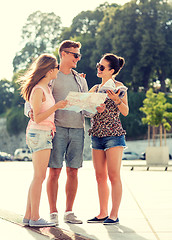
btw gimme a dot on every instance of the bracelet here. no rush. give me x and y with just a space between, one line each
119 103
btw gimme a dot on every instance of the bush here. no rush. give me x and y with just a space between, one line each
16 121
133 122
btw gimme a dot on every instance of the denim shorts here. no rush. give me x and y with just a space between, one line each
68 144
39 139
104 143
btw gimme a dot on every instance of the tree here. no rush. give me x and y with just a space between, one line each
116 34
84 29
85 22
133 122
141 32
6 95
40 34
155 28
155 108
16 121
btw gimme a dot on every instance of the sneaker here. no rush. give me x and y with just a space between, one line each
41 223
97 220
69 217
110 221
54 218
25 222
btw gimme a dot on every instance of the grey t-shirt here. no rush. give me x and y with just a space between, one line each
61 87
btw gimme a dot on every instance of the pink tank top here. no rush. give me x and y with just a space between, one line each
48 123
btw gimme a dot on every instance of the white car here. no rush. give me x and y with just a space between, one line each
23 154
130 156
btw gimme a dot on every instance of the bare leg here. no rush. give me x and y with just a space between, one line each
100 165
114 157
71 187
52 188
40 161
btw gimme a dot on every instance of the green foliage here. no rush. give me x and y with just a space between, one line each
40 34
139 31
155 108
133 122
6 95
16 121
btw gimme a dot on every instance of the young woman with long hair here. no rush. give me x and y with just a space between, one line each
40 130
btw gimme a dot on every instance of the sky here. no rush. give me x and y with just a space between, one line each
13 16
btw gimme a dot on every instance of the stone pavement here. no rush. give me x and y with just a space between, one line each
145 211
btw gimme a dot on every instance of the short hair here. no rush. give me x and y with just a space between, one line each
68 44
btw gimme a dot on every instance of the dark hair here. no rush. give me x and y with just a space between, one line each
115 62
68 44
37 71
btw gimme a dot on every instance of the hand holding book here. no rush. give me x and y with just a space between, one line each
110 85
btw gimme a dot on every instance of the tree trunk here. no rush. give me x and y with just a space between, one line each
160 131
165 137
154 144
162 77
146 77
149 135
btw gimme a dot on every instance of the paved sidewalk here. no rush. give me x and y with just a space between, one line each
145 212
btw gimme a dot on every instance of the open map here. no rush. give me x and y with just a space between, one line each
84 101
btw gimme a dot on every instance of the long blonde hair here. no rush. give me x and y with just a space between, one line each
36 72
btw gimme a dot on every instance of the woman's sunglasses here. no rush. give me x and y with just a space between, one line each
58 66
76 55
101 67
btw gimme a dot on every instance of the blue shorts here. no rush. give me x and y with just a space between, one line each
39 140
68 144
104 143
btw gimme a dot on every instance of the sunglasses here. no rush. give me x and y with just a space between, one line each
58 66
101 67
76 55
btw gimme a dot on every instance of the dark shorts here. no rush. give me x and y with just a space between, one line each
104 143
68 144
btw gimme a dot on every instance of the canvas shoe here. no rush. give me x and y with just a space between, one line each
97 220
25 222
69 217
54 218
110 221
41 223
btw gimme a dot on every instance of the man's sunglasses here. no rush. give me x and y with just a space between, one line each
101 67
76 55
58 66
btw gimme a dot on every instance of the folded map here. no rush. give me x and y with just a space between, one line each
78 101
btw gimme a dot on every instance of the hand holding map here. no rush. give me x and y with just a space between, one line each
78 101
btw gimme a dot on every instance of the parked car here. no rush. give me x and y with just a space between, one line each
22 154
5 156
143 156
130 156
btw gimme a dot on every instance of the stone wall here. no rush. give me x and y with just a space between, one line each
10 143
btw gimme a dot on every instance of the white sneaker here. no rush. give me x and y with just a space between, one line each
69 217
54 218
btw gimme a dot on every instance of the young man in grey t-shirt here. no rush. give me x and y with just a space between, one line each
68 141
